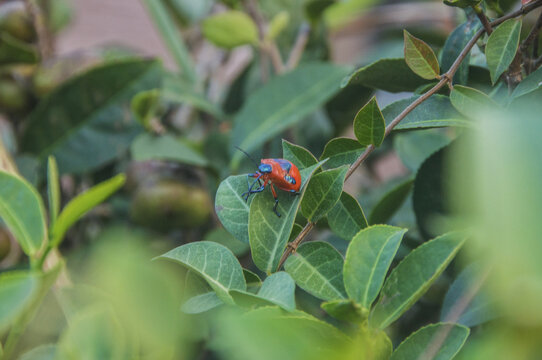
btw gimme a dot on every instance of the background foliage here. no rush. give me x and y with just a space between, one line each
124 233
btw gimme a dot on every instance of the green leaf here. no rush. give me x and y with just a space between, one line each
345 310
471 102
145 106
346 218
344 106
252 279
391 75
420 57
15 51
17 289
22 211
298 155
222 237
462 3
53 190
501 47
429 198
455 43
480 309
317 268
268 233
279 288
42 352
437 111
323 192
390 203
82 204
215 263
278 23
232 210
417 345
414 147
90 112
529 84
341 151
367 261
165 147
174 94
369 124
282 102
230 29
413 276
201 303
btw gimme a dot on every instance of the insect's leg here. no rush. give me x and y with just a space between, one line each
276 200
261 188
250 186
293 192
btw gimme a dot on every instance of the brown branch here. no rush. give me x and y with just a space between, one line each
444 80
45 40
483 18
299 46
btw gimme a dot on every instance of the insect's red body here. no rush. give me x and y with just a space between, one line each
275 172
284 174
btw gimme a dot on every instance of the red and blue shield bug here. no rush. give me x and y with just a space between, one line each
275 172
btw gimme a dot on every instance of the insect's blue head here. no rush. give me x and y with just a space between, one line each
265 168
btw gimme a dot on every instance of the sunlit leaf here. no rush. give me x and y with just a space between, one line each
346 218
214 262
341 151
369 124
413 276
298 155
367 261
82 204
391 75
437 111
317 268
22 211
420 57
323 192
230 29
17 289
501 47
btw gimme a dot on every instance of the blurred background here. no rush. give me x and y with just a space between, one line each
124 304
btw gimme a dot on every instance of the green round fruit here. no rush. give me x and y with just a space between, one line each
169 205
16 21
13 96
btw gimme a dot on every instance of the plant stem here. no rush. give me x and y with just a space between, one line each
299 46
172 38
444 80
45 42
483 18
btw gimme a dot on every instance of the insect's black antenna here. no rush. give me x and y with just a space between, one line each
247 154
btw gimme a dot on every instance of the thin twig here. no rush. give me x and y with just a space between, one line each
45 43
444 79
483 19
299 46
453 316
